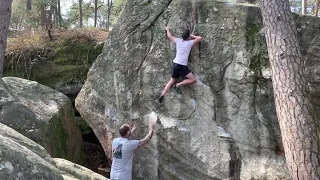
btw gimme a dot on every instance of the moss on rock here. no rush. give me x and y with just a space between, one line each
58 63
57 133
256 46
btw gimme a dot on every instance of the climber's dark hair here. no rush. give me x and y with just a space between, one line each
124 129
186 34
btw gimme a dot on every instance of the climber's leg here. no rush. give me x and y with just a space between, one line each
190 79
176 73
167 88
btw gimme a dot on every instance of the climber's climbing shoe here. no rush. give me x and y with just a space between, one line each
160 99
177 89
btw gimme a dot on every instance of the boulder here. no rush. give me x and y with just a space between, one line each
21 158
222 127
13 135
70 170
43 115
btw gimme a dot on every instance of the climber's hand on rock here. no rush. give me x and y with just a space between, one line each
152 125
133 128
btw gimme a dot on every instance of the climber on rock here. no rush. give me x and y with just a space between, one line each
179 68
123 149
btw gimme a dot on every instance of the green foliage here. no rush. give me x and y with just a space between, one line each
70 64
64 61
296 6
84 126
18 11
34 18
118 6
22 18
88 12
255 43
58 138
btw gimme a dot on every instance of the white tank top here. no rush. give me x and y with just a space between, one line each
183 51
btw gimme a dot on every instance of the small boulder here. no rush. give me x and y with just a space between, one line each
70 171
43 115
17 161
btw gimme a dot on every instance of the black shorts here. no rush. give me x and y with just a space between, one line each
179 71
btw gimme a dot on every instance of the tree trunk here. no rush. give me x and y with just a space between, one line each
246 1
55 13
95 12
20 23
5 14
304 4
107 20
52 15
49 34
109 6
29 5
80 13
317 7
43 17
59 13
294 111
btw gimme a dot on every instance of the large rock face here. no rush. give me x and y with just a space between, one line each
222 127
43 115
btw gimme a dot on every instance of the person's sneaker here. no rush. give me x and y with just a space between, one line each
161 99
177 89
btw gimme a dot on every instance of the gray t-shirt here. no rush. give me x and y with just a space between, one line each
122 155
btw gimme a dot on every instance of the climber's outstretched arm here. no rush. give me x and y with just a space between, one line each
147 139
196 40
172 38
